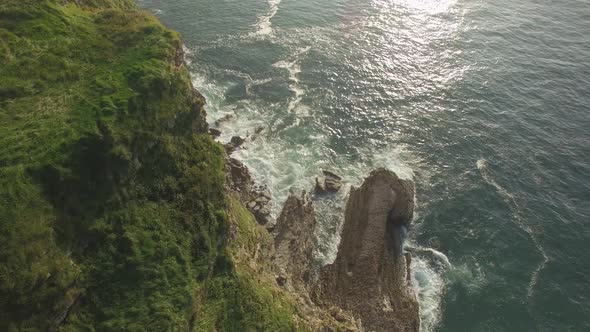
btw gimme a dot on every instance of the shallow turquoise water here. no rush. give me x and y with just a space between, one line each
486 104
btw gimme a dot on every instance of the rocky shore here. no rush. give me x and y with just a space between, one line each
368 287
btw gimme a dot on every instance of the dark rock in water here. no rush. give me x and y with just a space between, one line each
234 144
369 277
331 175
319 186
229 148
223 119
214 132
237 141
330 183
257 132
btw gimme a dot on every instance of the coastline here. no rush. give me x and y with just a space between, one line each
140 219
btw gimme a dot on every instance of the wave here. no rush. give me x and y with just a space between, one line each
264 23
435 256
482 166
294 69
430 286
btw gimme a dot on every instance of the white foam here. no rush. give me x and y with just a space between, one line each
428 281
482 166
294 69
435 255
264 22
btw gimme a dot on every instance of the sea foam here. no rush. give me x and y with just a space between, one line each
518 219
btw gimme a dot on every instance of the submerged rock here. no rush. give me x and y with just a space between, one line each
237 141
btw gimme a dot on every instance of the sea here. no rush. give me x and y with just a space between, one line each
485 104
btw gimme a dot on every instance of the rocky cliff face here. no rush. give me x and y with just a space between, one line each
368 285
370 276
293 239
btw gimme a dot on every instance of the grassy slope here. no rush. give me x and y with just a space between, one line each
112 203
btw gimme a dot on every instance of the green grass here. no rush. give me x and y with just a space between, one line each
243 300
112 201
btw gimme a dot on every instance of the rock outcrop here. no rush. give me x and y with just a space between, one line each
294 238
370 277
256 198
368 285
293 258
329 183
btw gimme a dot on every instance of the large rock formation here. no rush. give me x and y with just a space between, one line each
293 257
370 279
370 276
294 238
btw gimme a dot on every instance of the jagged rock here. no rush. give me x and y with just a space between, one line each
332 175
214 132
234 143
294 238
251 205
293 256
266 193
330 183
223 119
262 199
237 141
178 57
229 148
369 277
239 179
262 214
239 172
319 186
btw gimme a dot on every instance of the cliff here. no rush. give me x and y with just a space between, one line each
114 210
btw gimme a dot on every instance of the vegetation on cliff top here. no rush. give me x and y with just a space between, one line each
113 213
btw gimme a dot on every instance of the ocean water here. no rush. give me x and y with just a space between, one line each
486 104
